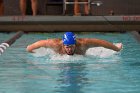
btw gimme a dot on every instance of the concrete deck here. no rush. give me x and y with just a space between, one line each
70 23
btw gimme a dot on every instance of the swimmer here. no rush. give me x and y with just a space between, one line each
71 45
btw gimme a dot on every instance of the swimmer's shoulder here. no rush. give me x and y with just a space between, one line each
81 40
55 40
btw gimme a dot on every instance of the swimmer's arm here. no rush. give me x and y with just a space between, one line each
102 43
38 44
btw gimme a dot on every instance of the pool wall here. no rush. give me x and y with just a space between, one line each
70 23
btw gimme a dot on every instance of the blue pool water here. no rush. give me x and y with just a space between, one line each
100 71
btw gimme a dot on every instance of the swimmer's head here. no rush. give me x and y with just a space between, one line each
69 41
69 38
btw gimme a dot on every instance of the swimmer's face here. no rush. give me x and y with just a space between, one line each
69 49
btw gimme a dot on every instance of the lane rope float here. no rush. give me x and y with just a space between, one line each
9 42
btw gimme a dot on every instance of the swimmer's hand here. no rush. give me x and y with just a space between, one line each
29 49
119 45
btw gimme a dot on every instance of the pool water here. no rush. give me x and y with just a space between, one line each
99 71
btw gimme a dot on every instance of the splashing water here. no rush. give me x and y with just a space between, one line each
43 52
99 52
52 56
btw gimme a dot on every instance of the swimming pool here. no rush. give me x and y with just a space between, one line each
100 71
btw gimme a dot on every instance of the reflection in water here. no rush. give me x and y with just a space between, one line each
55 77
72 78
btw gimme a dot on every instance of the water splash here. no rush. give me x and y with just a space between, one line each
67 57
43 52
51 56
99 52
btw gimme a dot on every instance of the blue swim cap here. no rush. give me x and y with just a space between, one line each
69 38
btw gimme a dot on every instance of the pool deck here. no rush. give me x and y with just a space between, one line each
70 23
